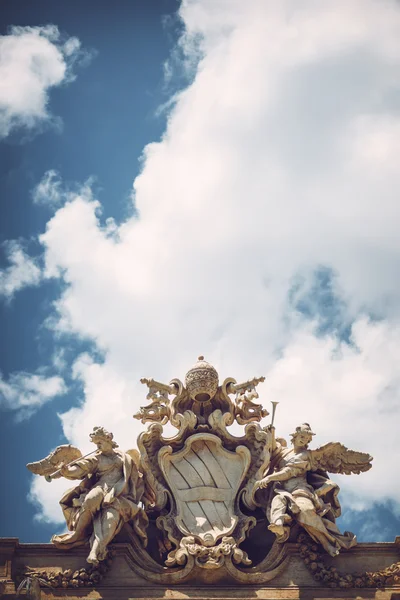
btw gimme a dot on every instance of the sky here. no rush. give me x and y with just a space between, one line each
199 177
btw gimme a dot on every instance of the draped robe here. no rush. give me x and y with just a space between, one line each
308 497
127 487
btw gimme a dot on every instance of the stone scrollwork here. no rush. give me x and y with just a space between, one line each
158 411
208 557
246 409
197 478
204 479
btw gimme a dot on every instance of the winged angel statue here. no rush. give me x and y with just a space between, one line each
108 495
300 490
204 497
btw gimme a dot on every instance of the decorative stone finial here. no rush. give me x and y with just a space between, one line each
201 381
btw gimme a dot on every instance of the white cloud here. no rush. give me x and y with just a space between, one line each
273 163
32 61
49 189
25 393
51 492
22 271
349 393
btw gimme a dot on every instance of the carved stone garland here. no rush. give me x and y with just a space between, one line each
68 578
313 557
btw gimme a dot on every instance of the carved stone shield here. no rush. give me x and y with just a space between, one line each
204 479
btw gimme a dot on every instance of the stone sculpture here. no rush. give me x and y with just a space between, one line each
301 491
199 493
108 496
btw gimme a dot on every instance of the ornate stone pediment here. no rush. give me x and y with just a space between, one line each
202 498
198 481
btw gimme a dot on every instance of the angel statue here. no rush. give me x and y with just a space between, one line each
299 489
107 496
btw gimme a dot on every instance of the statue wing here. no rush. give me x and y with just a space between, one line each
334 457
61 455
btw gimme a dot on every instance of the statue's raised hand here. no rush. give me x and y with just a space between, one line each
263 483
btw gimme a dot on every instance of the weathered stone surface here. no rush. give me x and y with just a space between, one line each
107 496
121 580
203 513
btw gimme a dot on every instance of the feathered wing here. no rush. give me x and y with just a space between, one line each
334 457
61 455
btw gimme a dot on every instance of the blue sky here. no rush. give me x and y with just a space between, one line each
188 178
109 113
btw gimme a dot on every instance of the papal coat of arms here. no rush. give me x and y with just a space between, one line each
203 498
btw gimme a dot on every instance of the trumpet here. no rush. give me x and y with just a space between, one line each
57 473
274 405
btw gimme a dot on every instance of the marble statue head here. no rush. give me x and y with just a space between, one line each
303 431
100 434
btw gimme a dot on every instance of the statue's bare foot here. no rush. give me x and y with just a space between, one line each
102 555
92 559
281 532
332 550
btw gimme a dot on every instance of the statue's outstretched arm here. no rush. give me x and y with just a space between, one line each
283 475
73 472
62 457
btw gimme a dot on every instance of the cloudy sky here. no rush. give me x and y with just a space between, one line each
210 177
